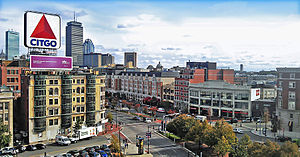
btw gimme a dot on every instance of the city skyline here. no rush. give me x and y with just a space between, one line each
253 33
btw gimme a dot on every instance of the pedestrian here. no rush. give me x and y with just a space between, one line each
126 145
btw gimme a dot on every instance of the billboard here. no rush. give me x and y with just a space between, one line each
50 62
255 94
42 30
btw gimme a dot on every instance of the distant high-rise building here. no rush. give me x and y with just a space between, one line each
11 44
74 40
201 65
98 59
130 57
88 47
241 68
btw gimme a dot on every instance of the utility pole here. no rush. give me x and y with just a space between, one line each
117 127
148 140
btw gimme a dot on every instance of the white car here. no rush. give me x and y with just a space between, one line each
62 140
148 120
238 130
162 110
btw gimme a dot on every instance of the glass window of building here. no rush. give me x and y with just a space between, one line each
82 118
78 90
78 99
194 93
280 75
78 81
73 98
51 112
1 106
291 116
77 109
74 81
50 122
82 109
51 91
82 99
291 105
50 101
279 103
292 84
17 71
280 84
291 95
56 91
82 89
82 81
292 75
73 118
8 71
6 105
205 94
55 121
56 111
194 101
56 101
50 81
6 116
55 81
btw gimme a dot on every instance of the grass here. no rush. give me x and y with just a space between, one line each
172 136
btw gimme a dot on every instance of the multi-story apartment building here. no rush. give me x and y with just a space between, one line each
139 85
52 103
11 74
220 99
288 99
6 109
188 76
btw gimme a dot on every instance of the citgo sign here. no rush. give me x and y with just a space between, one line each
42 30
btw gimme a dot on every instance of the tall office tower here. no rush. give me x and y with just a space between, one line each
130 57
88 47
11 44
107 59
241 68
74 40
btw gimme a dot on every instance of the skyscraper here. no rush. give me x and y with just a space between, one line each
11 45
130 57
74 40
88 47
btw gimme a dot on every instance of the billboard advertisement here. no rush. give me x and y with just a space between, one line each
42 30
255 94
50 62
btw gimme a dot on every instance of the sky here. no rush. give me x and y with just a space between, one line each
261 35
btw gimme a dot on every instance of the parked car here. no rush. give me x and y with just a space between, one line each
148 120
74 153
21 148
136 118
104 146
9 151
238 130
162 110
233 120
31 148
247 120
40 146
283 138
94 154
108 152
62 140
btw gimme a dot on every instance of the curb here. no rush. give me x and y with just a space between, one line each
261 135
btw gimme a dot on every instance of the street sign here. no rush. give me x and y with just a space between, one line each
148 134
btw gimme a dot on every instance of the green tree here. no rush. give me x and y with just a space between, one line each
109 116
289 149
115 143
4 135
240 148
222 147
259 149
220 129
78 125
199 132
181 125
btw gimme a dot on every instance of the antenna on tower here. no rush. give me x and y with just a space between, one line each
74 16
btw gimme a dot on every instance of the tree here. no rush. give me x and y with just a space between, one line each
289 149
241 147
145 109
181 125
259 149
199 132
109 116
4 135
222 147
136 107
78 125
115 143
220 129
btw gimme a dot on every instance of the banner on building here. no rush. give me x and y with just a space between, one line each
255 94
50 63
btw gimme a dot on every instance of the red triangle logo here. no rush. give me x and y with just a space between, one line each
43 30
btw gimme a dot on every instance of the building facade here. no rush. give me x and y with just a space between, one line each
11 45
53 103
98 59
288 99
88 47
220 99
74 40
202 65
130 58
6 110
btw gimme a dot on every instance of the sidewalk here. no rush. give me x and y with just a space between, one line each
109 129
132 151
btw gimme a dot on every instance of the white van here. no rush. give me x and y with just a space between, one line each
201 118
62 140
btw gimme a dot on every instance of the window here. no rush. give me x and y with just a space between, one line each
82 99
73 98
55 121
77 118
73 118
73 81
51 112
55 81
17 71
292 84
77 109
73 90
291 95
82 109
78 99
8 71
280 84
73 108
6 105
56 111
82 81
1 106
279 103
82 89
50 101
280 75
50 81
78 90
194 93
292 75
6 116
78 81
56 91
82 118
291 115
56 101
50 122
291 105
51 91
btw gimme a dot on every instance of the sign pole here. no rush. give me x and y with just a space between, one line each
148 140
